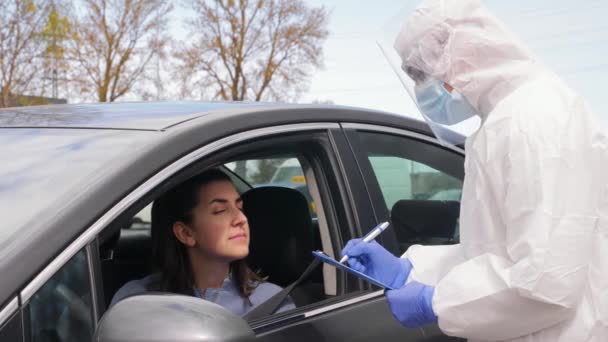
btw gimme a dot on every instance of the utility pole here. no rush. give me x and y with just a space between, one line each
158 82
54 76
55 35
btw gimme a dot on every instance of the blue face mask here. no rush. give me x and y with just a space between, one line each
441 106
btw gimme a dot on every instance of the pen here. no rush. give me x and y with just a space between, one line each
370 236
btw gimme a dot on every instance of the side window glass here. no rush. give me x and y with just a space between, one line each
62 309
142 220
12 329
421 185
403 179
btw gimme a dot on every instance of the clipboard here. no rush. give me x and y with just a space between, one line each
327 259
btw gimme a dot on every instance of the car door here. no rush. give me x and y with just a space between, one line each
363 314
415 183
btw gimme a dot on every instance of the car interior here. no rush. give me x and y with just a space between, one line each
287 222
284 232
425 222
276 252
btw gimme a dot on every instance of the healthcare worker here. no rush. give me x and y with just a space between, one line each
532 264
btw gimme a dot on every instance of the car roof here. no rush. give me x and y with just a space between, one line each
120 115
87 161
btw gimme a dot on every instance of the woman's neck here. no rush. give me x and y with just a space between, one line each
207 272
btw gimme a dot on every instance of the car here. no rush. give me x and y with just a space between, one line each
77 182
289 173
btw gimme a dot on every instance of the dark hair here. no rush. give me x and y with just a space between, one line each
170 255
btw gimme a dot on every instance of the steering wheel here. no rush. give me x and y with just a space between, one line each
75 322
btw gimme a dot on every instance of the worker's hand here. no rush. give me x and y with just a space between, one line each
373 260
412 305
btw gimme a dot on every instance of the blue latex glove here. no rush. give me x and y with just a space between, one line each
412 305
373 260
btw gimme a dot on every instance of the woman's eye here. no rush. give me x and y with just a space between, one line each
219 211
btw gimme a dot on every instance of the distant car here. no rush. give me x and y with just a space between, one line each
289 173
77 182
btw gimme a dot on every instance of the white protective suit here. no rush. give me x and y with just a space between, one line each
532 264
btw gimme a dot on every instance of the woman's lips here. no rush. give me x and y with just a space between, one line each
237 236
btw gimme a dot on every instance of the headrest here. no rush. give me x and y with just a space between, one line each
281 232
108 239
419 220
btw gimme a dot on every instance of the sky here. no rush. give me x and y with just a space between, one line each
571 37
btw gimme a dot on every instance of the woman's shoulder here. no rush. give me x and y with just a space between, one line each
268 288
265 291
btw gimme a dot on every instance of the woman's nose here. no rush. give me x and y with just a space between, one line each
239 216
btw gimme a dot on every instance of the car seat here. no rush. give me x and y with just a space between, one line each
125 255
282 239
425 222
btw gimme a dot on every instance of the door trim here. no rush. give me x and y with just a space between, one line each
267 327
8 311
348 302
398 131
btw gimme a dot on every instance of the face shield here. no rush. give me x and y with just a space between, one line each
448 114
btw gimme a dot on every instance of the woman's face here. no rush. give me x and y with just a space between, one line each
219 227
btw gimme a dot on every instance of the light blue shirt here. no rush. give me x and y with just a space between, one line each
227 296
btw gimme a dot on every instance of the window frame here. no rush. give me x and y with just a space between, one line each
352 131
336 217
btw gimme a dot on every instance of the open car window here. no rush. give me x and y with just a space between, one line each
282 193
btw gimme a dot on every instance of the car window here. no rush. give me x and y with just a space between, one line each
62 309
12 330
404 179
421 185
275 171
141 220
281 241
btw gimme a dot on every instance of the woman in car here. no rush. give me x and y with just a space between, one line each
200 238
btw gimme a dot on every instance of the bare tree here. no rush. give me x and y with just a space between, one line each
55 37
251 49
114 43
20 48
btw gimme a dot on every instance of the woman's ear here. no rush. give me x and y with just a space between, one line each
184 234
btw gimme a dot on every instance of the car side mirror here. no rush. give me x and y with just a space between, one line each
170 317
